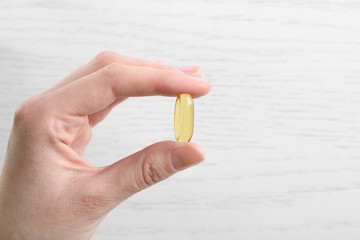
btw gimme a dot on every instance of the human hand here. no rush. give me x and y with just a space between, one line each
47 189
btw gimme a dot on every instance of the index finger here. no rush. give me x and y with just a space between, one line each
98 90
105 58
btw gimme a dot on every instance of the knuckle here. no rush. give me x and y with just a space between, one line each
151 173
161 80
110 73
157 78
26 111
111 70
32 121
21 112
104 58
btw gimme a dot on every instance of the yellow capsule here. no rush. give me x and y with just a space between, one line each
184 118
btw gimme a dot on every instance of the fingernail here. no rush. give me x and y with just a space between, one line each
192 70
186 156
202 81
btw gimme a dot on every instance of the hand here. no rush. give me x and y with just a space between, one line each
47 189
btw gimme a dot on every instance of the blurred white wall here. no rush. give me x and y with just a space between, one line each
280 128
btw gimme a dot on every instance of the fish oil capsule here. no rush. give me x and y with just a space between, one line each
184 118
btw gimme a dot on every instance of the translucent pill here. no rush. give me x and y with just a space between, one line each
184 118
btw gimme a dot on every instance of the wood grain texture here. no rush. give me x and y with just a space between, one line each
280 128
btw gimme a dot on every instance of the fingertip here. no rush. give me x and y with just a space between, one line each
205 89
197 148
186 155
196 86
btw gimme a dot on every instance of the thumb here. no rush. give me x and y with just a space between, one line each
147 167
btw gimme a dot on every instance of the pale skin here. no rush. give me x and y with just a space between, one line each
47 189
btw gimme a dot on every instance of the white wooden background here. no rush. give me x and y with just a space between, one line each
280 128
